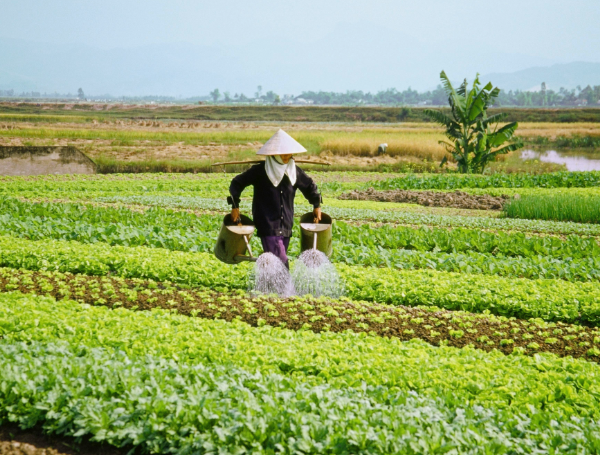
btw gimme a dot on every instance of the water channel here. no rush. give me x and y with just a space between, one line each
573 160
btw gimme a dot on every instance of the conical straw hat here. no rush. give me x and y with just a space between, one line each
281 143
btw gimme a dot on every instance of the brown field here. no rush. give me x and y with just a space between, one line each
200 143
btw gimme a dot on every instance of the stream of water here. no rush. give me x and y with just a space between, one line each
312 273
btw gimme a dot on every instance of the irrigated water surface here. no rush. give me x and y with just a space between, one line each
573 160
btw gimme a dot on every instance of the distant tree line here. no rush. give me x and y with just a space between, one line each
588 96
14 94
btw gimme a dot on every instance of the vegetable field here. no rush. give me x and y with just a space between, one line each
459 332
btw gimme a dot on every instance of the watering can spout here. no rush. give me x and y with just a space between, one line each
234 241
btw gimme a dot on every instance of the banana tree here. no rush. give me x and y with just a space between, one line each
474 138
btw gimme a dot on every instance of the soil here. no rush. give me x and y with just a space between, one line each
457 199
33 441
433 325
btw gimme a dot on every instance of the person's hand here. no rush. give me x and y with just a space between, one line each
235 216
317 214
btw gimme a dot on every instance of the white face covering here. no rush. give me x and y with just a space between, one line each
276 169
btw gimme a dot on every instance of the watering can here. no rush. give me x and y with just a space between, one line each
234 241
316 235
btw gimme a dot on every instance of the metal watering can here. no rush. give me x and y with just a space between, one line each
316 236
234 240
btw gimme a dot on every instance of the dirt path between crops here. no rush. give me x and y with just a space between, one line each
457 199
14 441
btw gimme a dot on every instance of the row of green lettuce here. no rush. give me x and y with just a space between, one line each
459 250
355 210
549 299
216 185
171 384
88 223
85 187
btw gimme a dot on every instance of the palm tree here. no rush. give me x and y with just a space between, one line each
475 139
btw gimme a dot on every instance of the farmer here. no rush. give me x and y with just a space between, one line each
275 183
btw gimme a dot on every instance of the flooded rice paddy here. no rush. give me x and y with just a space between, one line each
572 159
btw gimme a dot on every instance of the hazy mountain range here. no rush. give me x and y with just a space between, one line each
568 75
346 59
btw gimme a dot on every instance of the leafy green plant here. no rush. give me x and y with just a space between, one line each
549 299
476 139
514 244
512 254
382 216
103 361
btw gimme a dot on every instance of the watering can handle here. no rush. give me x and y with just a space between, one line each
239 219
247 244
316 215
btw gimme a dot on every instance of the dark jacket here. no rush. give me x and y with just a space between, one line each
273 207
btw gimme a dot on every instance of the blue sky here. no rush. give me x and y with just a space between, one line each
288 46
555 30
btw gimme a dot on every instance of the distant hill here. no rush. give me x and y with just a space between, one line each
567 75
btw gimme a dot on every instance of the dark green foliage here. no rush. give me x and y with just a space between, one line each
574 141
475 139
86 112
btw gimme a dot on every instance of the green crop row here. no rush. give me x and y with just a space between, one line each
85 187
467 240
82 187
431 324
452 251
140 378
164 406
535 267
190 232
457 181
331 184
156 227
553 300
556 207
382 216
